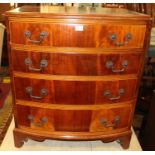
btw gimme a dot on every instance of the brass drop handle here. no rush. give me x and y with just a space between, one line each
43 64
107 94
110 65
115 122
43 92
42 35
43 120
113 38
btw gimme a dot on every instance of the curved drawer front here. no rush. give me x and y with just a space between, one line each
109 119
78 35
75 92
76 64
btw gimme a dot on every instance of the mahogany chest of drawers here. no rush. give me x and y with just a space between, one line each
75 72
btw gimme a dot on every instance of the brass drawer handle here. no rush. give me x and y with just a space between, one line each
113 38
115 122
43 92
43 120
110 65
43 64
107 93
42 35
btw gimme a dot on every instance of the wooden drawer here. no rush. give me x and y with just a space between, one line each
75 92
76 64
108 119
78 35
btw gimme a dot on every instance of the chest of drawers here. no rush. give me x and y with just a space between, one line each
75 72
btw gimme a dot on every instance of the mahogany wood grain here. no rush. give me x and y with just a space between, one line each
58 120
92 35
76 77
77 135
110 114
10 68
21 134
71 92
74 107
73 120
77 64
75 92
77 50
22 84
129 87
76 20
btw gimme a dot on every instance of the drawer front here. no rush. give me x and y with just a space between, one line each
53 120
76 64
75 92
74 120
75 35
110 119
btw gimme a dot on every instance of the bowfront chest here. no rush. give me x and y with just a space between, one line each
75 72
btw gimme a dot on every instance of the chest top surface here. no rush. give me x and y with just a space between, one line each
50 11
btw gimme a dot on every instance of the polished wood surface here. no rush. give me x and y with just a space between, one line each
77 64
74 78
70 35
77 50
21 135
110 115
48 11
77 92
75 104
73 120
73 107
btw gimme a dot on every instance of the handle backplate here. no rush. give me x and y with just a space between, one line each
110 65
113 38
43 92
42 35
43 64
115 122
43 120
107 94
